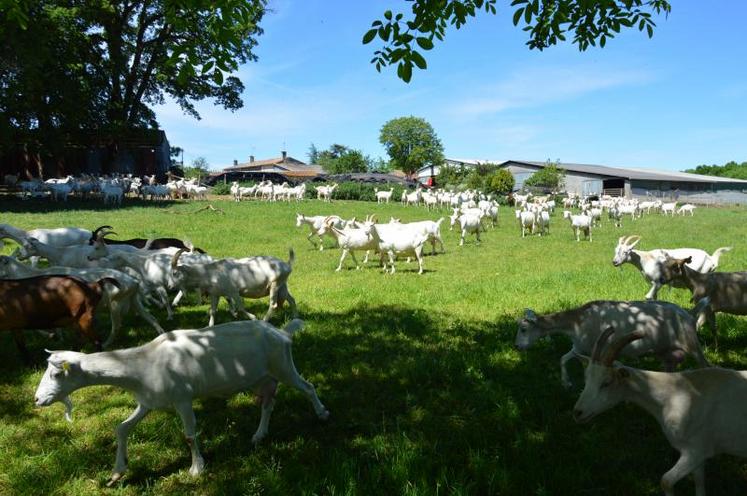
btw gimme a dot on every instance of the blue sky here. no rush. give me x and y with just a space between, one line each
671 102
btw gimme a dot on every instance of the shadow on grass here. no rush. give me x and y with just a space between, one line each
12 204
419 402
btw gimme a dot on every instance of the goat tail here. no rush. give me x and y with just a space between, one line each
439 221
692 338
717 254
291 257
148 243
293 327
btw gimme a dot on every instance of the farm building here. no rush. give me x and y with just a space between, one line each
585 179
137 151
278 169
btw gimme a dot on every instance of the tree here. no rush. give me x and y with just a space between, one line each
500 181
199 168
174 153
313 154
339 159
411 144
550 176
111 61
729 169
546 21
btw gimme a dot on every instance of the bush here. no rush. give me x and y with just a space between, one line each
550 176
221 189
500 181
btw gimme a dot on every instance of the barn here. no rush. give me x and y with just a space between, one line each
586 179
135 151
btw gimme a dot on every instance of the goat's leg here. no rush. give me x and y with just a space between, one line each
564 379
686 464
342 257
146 315
214 298
711 316
285 295
290 376
654 291
123 431
164 297
699 476
273 301
365 259
115 311
187 414
419 256
267 399
178 297
357 265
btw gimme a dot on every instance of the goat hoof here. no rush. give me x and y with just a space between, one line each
116 477
197 468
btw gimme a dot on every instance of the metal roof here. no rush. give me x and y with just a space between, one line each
634 173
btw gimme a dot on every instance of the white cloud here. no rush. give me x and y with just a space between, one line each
538 86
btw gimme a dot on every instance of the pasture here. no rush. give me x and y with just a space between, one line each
426 392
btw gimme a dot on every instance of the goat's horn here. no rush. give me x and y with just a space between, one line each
600 343
101 228
631 239
615 347
175 259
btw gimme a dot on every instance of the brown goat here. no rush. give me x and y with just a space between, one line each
48 302
726 291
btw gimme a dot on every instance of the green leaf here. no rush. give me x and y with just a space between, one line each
406 71
528 14
650 30
369 36
517 15
602 41
425 43
388 15
208 65
419 60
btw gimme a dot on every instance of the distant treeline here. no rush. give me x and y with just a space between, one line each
730 169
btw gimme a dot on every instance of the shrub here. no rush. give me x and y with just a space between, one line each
222 189
500 181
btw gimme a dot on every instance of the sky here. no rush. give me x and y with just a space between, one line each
671 102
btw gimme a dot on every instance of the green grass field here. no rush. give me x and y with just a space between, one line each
426 392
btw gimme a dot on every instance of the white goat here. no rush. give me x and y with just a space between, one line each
688 207
398 241
352 239
701 411
383 196
579 223
670 330
527 220
235 279
650 262
318 226
668 208
174 369
469 224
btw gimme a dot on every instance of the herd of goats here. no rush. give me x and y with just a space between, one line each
703 412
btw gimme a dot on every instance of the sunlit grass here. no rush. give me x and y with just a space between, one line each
426 392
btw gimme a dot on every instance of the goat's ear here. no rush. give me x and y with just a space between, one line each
688 260
530 315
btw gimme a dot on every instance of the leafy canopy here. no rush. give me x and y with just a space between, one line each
411 143
339 159
729 169
550 176
112 61
547 22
